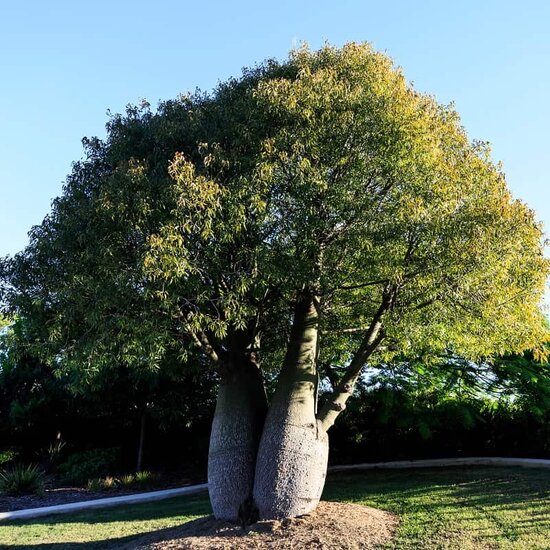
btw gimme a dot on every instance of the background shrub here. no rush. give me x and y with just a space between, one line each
83 466
51 456
139 480
7 457
22 480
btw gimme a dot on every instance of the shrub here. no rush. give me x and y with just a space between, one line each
83 466
7 456
51 456
22 480
139 479
94 484
102 483
144 478
393 424
127 481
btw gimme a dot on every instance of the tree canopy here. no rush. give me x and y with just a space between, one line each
326 171
315 212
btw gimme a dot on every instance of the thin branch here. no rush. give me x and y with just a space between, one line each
360 285
373 336
346 330
202 341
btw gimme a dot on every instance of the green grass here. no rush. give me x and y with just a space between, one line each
455 508
458 508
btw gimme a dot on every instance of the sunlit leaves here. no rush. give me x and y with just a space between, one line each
325 172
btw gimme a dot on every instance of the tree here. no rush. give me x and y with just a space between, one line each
39 402
315 212
406 410
33 402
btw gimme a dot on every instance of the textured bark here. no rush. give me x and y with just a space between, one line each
293 453
236 430
139 461
291 469
291 460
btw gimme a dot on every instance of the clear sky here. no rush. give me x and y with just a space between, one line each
63 64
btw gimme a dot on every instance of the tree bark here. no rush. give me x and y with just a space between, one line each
139 461
236 430
284 476
292 458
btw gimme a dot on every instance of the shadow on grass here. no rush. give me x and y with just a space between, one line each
194 527
128 542
196 505
504 502
479 503
484 486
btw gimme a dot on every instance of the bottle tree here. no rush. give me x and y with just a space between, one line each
315 211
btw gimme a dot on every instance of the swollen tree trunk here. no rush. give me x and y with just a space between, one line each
291 460
236 430
293 454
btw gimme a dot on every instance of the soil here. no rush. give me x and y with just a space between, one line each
332 526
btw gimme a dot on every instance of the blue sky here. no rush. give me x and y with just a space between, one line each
64 64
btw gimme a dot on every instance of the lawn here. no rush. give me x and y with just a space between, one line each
458 508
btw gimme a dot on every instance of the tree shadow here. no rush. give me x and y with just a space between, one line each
190 528
158 509
510 502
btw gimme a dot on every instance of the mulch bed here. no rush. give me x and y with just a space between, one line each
333 525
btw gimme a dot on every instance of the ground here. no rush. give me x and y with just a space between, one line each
452 508
332 525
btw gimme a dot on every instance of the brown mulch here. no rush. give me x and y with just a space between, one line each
332 526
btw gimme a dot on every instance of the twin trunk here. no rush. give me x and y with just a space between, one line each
276 461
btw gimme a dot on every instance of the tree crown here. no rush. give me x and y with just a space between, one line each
326 174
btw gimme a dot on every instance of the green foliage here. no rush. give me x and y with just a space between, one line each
52 455
455 408
138 480
7 456
22 480
197 226
525 380
85 465
38 402
31 396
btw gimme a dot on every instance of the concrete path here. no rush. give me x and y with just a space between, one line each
168 493
102 502
439 462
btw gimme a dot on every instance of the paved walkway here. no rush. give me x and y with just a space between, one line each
169 493
102 502
438 462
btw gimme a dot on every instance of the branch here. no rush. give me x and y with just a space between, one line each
201 340
346 330
373 336
361 285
